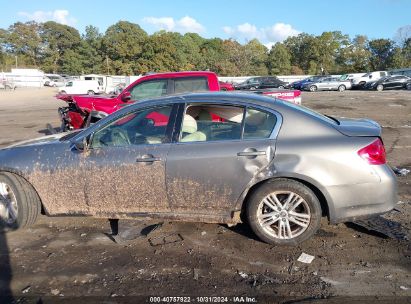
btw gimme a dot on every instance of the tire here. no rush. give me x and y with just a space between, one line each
24 198
341 88
63 92
90 92
313 88
282 188
281 87
380 87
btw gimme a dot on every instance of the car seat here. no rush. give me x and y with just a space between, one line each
190 132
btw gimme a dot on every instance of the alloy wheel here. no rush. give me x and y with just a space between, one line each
284 215
8 204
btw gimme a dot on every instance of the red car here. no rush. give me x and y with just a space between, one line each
83 109
225 86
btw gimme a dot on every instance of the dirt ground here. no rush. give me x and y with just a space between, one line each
65 258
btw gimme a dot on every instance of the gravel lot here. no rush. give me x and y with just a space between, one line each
70 257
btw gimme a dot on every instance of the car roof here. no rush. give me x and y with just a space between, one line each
211 97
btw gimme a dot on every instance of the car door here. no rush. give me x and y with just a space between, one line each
323 84
125 164
218 152
398 82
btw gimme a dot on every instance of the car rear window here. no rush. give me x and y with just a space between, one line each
310 112
191 84
258 124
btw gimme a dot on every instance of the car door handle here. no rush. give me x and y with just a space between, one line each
148 158
251 153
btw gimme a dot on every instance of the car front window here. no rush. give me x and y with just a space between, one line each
138 128
148 89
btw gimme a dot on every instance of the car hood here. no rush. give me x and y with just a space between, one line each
359 127
39 141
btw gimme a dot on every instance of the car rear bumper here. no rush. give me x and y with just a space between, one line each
364 200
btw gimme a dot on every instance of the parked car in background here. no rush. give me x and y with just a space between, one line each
351 76
52 80
266 82
89 87
298 84
117 89
89 109
225 86
327 84
389 83
359 82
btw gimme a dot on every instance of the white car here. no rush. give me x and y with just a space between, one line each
372 76
54 81
89 87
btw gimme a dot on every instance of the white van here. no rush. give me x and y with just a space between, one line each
89 87
372 76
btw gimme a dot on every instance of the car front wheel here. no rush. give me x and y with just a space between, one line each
90 92
313 88
284 212
380 87
341 88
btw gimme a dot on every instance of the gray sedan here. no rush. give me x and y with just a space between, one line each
327 84
215 158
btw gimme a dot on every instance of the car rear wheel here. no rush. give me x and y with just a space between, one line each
284 212
380 87
281 87
19 203
90 92
313 88
341 88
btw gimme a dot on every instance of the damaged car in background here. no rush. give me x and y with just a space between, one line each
205 157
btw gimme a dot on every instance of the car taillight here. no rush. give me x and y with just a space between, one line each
374 153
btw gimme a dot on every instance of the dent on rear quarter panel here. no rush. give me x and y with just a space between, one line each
315 152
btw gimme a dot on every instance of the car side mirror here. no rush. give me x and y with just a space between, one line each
126 97
81 145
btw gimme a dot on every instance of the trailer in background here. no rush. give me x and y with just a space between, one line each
24 77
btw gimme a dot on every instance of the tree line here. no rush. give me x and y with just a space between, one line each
126 49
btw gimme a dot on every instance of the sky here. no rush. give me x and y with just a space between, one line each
243 20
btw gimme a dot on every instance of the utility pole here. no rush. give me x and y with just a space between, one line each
16 61
108 69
